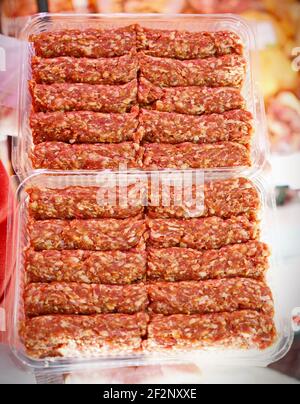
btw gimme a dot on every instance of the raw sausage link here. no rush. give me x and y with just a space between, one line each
202 234
109 267
94 235
63 156
78 298
239 330
212 296
188 45
111 202
248 260
84 127
229 70
83 97
118 70
77 336
224 198
190 100
91 43
189 155
170 127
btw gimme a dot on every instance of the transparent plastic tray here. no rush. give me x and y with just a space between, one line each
23 144
217 357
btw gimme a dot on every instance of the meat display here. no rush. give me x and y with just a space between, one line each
115 268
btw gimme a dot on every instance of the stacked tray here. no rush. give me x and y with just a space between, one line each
107 268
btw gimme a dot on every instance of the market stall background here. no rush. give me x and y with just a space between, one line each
277 24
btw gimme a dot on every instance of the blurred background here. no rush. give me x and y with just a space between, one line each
277 24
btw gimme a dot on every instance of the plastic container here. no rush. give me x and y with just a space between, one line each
48 22
59 179
220 357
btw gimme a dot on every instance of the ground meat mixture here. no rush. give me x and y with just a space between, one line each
187 45
189 155
108 267
78 298
63 156
240 330
165 127
212 296
223 198
190 100
202 234
83 97
107 202
248 260
90 43
95 235
84 127
229 70
118 70
76 336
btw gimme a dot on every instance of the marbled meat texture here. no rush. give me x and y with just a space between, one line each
94 235
202 234
170 127
225 71
83 97
190 100
78 202
90 43
77 336
78 298
119 70
188 45
222 198
212 296
84 127
108 267
64 156
239 330
247 260
189 155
